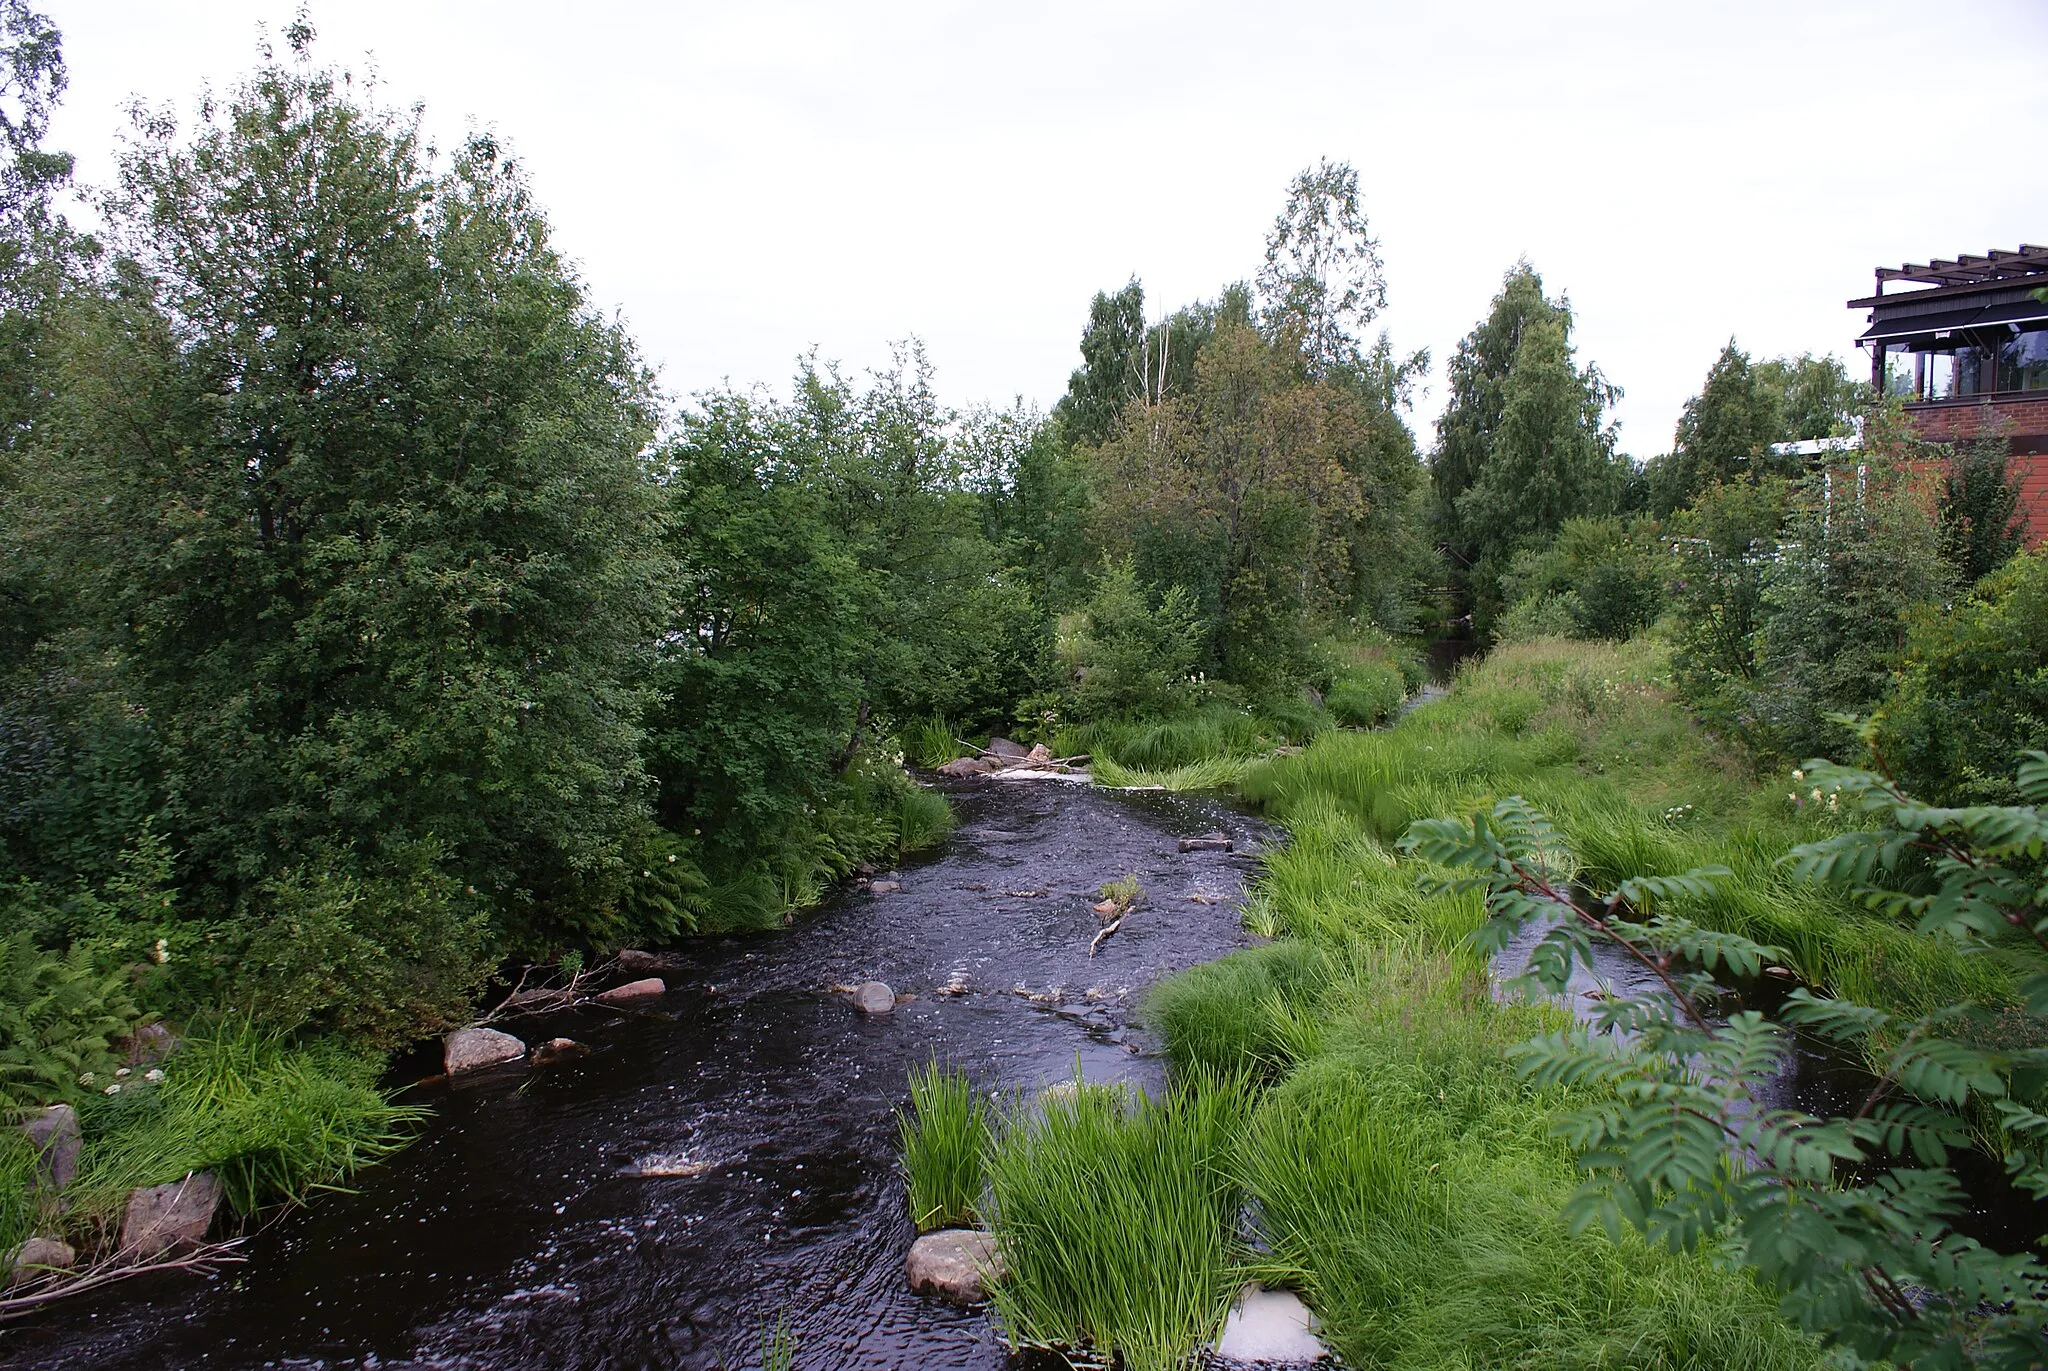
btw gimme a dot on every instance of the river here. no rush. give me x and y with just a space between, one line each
520 1231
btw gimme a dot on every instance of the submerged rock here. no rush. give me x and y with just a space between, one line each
1269 1326
37 1258
1208 842
632 959
53 1132
473 1049
555 1051
873 997
160 1218
886 887
956 1264
632 992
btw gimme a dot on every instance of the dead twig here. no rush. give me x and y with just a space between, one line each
63 1285
1102 935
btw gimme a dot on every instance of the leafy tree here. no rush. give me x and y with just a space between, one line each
345 477
1848 1216
1323 272
1111 373
1549 458
1239 492
757 675
1477 404
1857 552
1815 396
1979 514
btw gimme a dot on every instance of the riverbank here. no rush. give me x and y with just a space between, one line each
1404 1178
1349 1081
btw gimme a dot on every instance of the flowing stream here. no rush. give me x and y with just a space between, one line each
526 1227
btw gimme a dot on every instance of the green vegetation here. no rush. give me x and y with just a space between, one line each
945 1141
1681 1135
1114 1211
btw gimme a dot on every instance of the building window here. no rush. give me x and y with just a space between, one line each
2023 361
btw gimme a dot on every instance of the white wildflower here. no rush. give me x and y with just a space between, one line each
122 1071
153 1075
113 1089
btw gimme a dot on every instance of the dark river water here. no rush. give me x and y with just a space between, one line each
514 1233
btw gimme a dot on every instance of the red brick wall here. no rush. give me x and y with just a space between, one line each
2023 424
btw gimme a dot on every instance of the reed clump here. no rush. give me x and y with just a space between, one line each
945 1142
1116 1215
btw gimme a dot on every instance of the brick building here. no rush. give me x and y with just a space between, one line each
1965 346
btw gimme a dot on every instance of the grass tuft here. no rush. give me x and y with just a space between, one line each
1115 1216
945 1140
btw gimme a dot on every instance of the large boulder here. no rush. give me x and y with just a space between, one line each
957 1264
161 1218
873 997
1007 750
36 1258
635 992
53 1132
474 1049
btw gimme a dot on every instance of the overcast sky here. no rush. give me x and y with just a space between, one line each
744 181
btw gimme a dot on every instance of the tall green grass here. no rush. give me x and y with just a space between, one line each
1116 1216
274 1120
945 1142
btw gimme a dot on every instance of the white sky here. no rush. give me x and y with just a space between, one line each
745 180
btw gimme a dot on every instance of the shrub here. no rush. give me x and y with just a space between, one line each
1126 653
1974 692
945 1140
381 956
1367 696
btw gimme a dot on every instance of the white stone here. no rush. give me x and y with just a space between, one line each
473 1049
872 997
1269 1326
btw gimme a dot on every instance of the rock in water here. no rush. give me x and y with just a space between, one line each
872 997
886 887
957 1264
1007 750
1269 1326
967 766
632 992
632 959
473 1049
54 1133
162 1217
1208 842
555 1051
36 1258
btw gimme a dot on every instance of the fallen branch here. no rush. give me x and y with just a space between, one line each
1102 936
522 1003
203 1260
